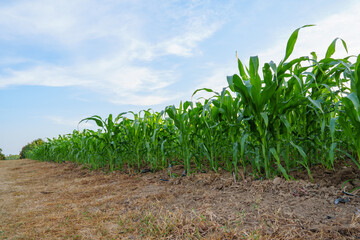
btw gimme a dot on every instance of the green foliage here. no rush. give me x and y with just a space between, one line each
29 147
12 157
2 156
268 121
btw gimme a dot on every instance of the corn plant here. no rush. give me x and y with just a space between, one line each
350 119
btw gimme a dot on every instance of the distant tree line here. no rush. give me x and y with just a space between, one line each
12 157
29 147
2 156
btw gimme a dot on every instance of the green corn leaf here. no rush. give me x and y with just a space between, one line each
328 88
351 111
323 126
253 70
265 117
286 122
282 169
231 83
316 103
273 151
273 66
97 119
355 101
344 183
267 74
332 127
350 157
291 42
222 110
240 87
357 77
283 67
204 89
299 81
255 94
170 110
241 70
110 123
300 149
267 93
163 146
120 116
313 54
310 74
255 80
331 49
332 153
343 63
345 46
187 104
242 143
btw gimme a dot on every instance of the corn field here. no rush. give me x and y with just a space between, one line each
270 121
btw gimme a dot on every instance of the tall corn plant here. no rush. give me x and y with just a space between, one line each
264 105
108 136
255 97
324 85
181 117
223 132
350 119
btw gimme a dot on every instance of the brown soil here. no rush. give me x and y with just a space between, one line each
40 200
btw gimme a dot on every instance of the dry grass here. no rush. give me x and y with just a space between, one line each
62 201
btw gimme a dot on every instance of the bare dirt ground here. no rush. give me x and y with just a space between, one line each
40 200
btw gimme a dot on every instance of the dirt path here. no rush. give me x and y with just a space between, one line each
63 201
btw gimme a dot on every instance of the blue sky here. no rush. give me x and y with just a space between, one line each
64 60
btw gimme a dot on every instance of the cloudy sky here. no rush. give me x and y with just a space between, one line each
64 60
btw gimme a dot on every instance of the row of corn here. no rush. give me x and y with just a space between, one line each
268 121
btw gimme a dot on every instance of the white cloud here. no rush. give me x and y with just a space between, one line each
118 84
71 23
65 22
199 29
120 46
140 100
68 122
13 60
43 75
